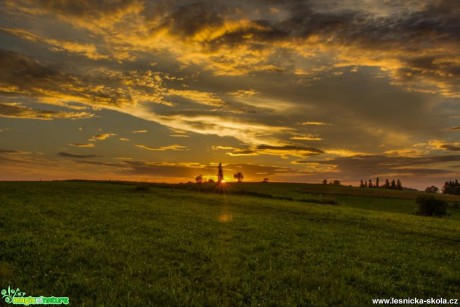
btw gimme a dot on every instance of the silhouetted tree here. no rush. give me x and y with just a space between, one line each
393 184
239 176
220 173
377 182
451 187
370 183
432 189
265 180
399 185
210 180
336 182
325 181
199 179
387 184
361 184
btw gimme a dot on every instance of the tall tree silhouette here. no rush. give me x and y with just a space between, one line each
377 182
399 185
199 179
220 173
387 184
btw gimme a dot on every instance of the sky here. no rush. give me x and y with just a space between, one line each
298 91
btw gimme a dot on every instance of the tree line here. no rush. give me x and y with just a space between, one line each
451 187
393 184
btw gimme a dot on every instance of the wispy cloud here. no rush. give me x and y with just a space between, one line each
314 124
243 152
174 147
15 110
307 137
205 98
82 145
101 137
69 155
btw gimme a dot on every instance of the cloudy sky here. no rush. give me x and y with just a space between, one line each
290 90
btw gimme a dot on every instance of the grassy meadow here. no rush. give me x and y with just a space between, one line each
120 244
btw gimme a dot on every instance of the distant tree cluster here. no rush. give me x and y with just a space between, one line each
451 187
238 176
200 179
432 189
334 182
395 185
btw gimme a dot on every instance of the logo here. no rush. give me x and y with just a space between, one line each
16 297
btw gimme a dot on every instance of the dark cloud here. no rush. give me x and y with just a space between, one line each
86 8
26 73
6 151
69 155
404 38
362 166
451 147
192 17
26 76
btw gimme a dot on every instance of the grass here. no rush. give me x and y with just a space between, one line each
118 244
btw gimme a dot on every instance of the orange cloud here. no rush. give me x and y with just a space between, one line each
101 137
174 147
16 110
83 145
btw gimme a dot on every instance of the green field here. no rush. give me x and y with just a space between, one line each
120 244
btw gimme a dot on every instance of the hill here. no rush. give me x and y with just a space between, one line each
129 244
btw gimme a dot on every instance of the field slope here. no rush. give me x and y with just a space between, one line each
119 244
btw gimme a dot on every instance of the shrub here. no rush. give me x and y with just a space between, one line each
432 189
430 205
142 188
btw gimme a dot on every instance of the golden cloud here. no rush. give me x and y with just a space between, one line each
101 137
16 110
82 145
205 98
174 147
314 124
307 137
